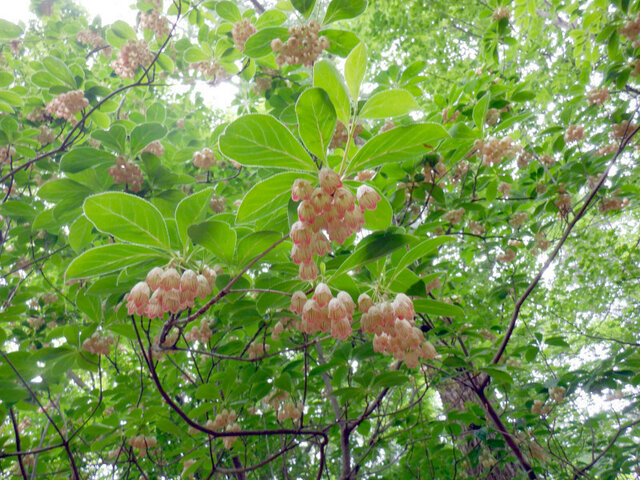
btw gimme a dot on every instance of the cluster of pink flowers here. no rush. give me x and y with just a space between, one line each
288 409
622 130
155 148
574 133
615 203
225 420
98 344
454 216
217 204
517 220
329 207
46 135
304 46
324 312
394 330
204 159
500 13
200 333
134 54
210 69
152 20
6 154
66 105
341 134
508 256
126 172
631 30
93 38
598 96
257 350
494 150
142 443
241 31
172 292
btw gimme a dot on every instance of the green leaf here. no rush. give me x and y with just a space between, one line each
259 44
215 236
418 251
80 233
262 141
190 210
556 342
327 77
229 11
123 30
253 245
398 145
390 379
354 69
271 18
372 247
499 373
9 30
389 103
144 134
341 42
128 218
195 54
11 98
316 120
268 197
344 9
64 189
59 69
434 307
115 138
109 258
305 7
81 158
480 110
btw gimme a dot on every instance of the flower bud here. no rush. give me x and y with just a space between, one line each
308 271
306 212
347 301
300 233
341 328
298 301
320 200
153 278
329 180
170 279
364 303
301 190
189 282
336 310
368 198
322 295
301 254
320 244
343 201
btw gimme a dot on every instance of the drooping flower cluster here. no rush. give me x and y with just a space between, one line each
394 329
98 344
225 420
505 189
557 394
341 134
500 13
607 150
329 207
143 443
66 105
134 54
257 350
93 38
616 203
517 220
454 216
563 202
288 409
36 115
539 408
46 135
241 31
508 256
523 159
432 173
172 292
210 69
217 204
154 21
201 333
631 30
155 148
494 150
126 172
304 46
324 312
364 175
622 130
6 154
204 159
598 96
574 133
476 228
493 116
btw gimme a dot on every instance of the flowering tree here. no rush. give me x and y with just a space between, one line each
402 255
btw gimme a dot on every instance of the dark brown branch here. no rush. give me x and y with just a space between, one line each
16 434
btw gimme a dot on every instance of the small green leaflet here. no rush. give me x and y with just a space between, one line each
480 110
418 251
344 9
389 103
354 69
191 210
327 77
217 237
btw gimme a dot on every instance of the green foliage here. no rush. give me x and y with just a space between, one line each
484 128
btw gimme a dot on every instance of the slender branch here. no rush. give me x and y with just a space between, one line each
16 434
